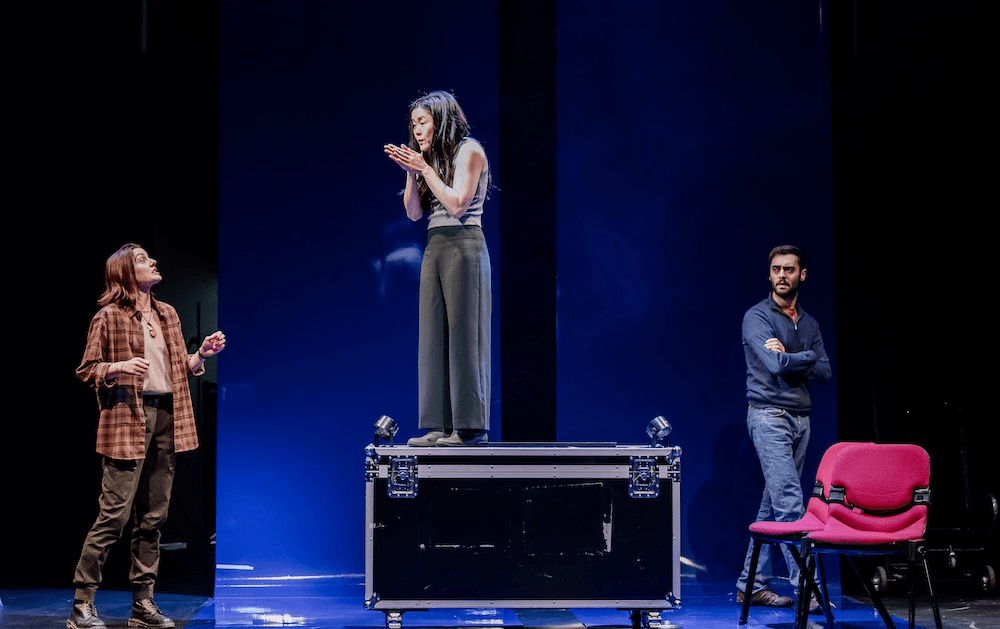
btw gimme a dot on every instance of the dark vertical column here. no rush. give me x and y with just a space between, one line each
528 226
911 113
140 145
908 112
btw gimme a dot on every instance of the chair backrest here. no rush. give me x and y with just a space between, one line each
819 501
882 477
824 472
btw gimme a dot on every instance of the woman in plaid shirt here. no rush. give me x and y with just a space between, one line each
137 362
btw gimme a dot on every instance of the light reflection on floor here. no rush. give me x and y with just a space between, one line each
267 604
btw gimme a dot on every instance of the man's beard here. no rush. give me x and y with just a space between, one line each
789 295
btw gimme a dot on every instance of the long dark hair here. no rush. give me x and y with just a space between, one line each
120 285
450 128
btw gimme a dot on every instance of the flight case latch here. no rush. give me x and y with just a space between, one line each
643 478
402 477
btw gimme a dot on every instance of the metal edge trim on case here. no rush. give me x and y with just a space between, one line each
530 603
669 454
438 470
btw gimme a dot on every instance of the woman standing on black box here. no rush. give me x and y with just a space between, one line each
448 178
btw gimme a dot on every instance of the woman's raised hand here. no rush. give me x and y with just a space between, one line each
409 160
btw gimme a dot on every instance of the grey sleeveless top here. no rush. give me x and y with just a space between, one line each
440 217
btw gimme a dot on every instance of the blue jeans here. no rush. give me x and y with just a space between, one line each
780 438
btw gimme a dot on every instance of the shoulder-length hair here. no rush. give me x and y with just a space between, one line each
120 285
450 128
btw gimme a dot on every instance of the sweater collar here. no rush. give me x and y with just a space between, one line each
774 306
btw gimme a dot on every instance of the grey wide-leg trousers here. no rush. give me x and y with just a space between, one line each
454 348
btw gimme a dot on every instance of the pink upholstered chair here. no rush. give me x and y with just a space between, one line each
879 497
792 533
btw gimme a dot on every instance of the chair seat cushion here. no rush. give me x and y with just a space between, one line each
808 522
845 526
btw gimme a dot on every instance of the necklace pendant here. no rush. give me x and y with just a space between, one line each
149 324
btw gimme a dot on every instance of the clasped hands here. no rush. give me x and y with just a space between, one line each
409 160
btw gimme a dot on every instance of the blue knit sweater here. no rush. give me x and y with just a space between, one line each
781 379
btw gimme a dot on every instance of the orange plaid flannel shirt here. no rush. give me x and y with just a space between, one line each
115 335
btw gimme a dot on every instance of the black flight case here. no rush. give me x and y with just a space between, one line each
524 526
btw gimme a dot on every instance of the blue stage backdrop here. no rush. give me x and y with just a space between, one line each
318 262
692 137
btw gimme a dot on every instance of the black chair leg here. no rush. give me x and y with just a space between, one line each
930 590
811 567
806 585
872 594
751 575
825 601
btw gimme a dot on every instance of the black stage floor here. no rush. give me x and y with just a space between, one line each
273 605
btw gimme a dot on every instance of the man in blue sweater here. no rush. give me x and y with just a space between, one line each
784 350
